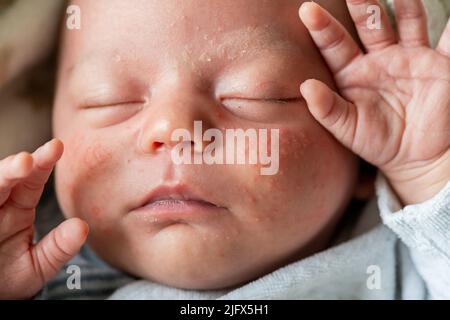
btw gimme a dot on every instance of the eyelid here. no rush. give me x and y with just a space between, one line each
284 100
110 105
109 115
272 100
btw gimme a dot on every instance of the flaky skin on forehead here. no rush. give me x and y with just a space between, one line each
338 8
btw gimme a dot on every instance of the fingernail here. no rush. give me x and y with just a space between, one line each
43 147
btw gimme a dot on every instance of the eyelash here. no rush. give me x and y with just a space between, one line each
276 101
133 103
283 101
106 105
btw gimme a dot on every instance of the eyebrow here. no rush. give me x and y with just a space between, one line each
248 41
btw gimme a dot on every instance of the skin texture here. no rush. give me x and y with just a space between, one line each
122 91
116 118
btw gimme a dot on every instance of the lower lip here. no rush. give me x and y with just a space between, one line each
177 210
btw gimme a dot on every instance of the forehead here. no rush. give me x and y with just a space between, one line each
157 24
173 21
190 30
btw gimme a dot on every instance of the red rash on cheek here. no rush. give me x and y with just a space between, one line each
293 145
293 154
88 159
249 194
96 212
98 218
85 153
295 151
82 173
96 155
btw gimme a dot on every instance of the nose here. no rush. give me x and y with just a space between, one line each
166 113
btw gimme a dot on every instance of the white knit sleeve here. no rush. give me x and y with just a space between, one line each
425 229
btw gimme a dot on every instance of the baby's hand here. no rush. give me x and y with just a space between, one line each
25 267
395 110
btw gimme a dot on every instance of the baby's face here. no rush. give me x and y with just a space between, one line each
136 72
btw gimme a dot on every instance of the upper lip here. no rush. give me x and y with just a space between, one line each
174 192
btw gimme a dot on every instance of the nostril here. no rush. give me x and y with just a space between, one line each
156 145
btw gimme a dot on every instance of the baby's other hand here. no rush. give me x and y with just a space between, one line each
394 111
25 267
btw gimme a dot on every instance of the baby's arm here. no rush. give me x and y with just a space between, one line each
424 228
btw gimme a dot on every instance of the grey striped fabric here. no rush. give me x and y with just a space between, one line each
97 279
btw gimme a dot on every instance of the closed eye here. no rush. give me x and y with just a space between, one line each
111 114
262 109
110 105
281 101
266 100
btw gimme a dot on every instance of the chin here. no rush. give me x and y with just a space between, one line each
184 258
176 268
200 273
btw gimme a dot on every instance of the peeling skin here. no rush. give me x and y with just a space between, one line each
235 44
187 55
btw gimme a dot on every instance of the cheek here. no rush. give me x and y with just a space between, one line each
96 211
313 179
96 214
82 176
87 155
263 198
86 159
301 202
294 149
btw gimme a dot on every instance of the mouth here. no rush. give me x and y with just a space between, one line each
177 202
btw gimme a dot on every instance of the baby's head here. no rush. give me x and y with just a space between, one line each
138 71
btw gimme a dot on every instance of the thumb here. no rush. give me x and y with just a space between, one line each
337 115
58 247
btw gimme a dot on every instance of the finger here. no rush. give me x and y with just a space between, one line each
334 42
411 23
58 247
14 221
27 193
444 44
12 170
372 24
337 115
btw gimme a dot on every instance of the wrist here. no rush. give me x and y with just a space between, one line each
419 183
